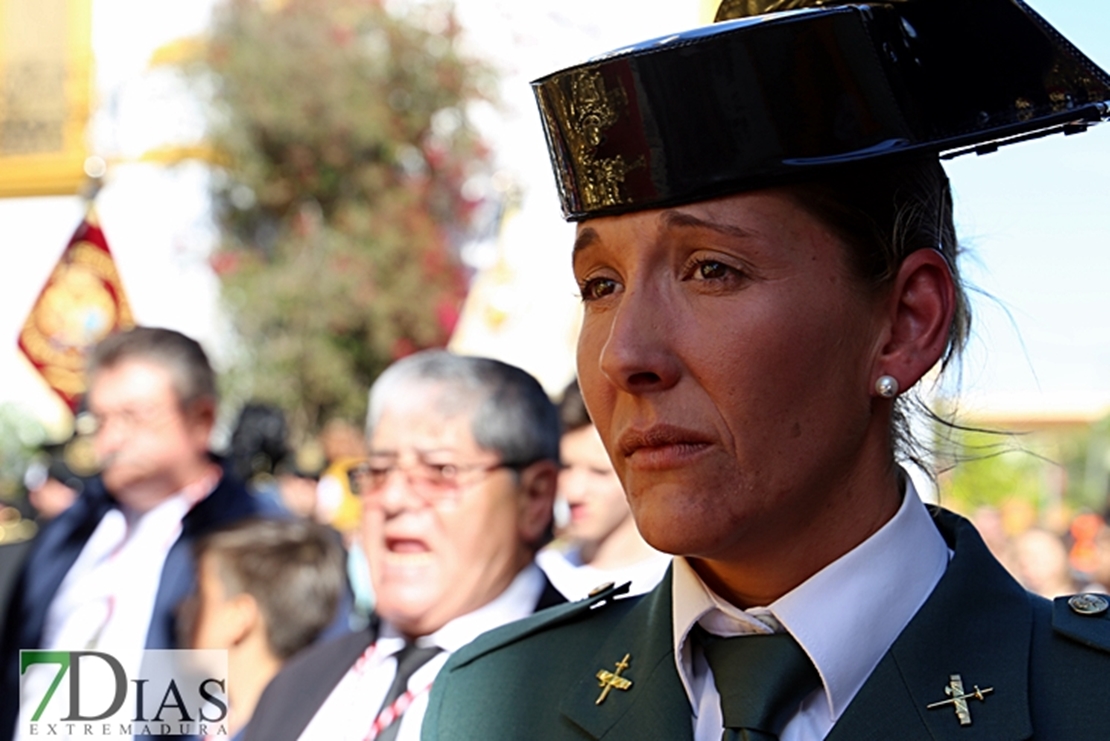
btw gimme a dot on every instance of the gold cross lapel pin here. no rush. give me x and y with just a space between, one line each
613 680
958 698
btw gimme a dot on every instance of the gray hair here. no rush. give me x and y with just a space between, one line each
510 414
192 375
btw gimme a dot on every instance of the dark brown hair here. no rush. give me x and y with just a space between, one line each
573 414
192 374
294 569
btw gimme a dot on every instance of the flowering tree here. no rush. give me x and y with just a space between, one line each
345 145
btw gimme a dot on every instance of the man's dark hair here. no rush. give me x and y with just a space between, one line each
259 441
182 356
572 409
294 569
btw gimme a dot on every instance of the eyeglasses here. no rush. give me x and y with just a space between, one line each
431 481
126 419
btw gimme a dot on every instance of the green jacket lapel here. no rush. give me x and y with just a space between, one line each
957 631
655 704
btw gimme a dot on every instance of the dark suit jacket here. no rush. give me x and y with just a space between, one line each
295 695
1049 667
60 542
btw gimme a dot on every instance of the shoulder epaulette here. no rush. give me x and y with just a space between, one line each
1084 618
541 621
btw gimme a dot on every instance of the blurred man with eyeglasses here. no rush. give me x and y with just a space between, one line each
109 572
457 494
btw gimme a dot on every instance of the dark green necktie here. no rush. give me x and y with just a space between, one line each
762 679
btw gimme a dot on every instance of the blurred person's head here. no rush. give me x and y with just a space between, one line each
298 476
458 486
340 439
1041 560
152 394
343 446
259 441
274 583
51 481
51 498
988 521
589 485
1100 571
265 590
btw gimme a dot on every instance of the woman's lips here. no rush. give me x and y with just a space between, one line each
661 446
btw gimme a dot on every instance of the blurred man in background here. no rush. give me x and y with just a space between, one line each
109 572
457 494
601 543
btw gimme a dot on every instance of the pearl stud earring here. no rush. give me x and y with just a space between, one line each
887 387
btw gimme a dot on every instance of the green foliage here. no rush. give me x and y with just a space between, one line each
992 469
345 142
20 436
1063 463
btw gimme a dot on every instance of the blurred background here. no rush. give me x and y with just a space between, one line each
313 188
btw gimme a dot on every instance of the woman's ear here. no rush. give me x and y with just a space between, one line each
920 309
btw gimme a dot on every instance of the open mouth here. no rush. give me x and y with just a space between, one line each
407 552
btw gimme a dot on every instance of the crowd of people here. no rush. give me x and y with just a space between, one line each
455 486
1048 554
361 564
763 282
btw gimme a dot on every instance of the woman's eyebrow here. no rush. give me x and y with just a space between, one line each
677 219
586 237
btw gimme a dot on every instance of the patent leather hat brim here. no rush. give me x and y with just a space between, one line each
775 98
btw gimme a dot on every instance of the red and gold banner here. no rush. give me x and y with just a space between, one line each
82 303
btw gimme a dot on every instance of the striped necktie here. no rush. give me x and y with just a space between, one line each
409 659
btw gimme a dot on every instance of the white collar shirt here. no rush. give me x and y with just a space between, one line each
575 579
106 599
350 710
873 591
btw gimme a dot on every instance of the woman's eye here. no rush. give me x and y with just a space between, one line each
712 270
595 288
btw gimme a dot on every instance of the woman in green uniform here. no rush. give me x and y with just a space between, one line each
768 265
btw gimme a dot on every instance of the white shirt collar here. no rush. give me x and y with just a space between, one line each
873 590
517 601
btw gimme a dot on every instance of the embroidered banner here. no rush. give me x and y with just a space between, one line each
82 302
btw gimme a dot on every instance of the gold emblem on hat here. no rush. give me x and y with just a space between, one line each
584 116
613 680
958 698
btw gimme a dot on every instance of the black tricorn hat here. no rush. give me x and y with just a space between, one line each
757 101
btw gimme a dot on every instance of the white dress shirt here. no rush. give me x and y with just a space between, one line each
575 579
106 599
845 617
352 706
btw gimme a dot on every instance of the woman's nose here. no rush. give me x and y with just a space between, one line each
637 355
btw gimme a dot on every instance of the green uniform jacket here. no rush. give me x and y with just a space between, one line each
1049 668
